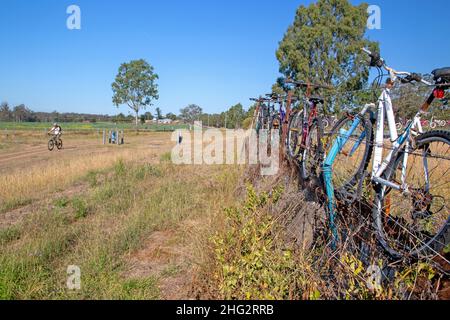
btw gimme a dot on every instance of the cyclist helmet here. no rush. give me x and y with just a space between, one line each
55 124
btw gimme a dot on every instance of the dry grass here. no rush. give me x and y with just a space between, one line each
19 186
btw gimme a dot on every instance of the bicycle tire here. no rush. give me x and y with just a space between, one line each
442 238
347 191
294 135
312 157
51 145
59 144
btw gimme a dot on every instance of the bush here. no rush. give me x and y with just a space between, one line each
249 262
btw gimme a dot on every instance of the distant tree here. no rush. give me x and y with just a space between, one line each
191 113
5 112
120 118
171 116
235 116
159 113
148 116
21 113
135 85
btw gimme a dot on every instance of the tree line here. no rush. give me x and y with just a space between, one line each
22 113
233 118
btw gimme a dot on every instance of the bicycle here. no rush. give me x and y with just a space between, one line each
410 219
305 131
55 140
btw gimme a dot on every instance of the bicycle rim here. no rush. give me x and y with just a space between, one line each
417 223
294 135
312 153
51 145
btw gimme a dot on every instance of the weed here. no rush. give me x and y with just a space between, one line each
166 157
249 263
120 168
80 207
9 234
91 177
61 202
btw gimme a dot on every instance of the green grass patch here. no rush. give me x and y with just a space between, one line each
166 157
9 234
80 207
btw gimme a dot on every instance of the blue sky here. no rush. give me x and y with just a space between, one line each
214 53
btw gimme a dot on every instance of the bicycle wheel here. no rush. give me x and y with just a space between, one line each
417 223
312 154
351 163
51 145
294 135
59 144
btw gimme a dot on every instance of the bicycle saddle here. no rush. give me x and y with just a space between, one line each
316 100
443 74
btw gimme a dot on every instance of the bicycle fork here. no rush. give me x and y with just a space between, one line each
327 169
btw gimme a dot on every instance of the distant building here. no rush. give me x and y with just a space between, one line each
165 121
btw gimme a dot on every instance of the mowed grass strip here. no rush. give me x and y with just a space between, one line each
98 230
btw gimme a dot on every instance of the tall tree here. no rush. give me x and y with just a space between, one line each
324 45
5 112
191 113
135 85
235 116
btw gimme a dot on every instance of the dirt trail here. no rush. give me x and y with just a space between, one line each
164 257
32 155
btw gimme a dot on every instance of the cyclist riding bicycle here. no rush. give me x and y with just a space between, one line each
56 131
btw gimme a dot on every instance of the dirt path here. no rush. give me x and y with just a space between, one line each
169 257
32 155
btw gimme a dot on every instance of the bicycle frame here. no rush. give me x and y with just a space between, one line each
307 120
379 165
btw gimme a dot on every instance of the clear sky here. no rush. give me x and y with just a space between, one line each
214 53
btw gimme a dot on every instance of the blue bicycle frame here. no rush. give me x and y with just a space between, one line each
336 149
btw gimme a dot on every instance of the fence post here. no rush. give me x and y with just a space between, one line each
117 136
104 136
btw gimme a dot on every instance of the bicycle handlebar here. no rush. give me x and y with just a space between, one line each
378 61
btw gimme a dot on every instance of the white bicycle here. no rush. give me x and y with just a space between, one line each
411 210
